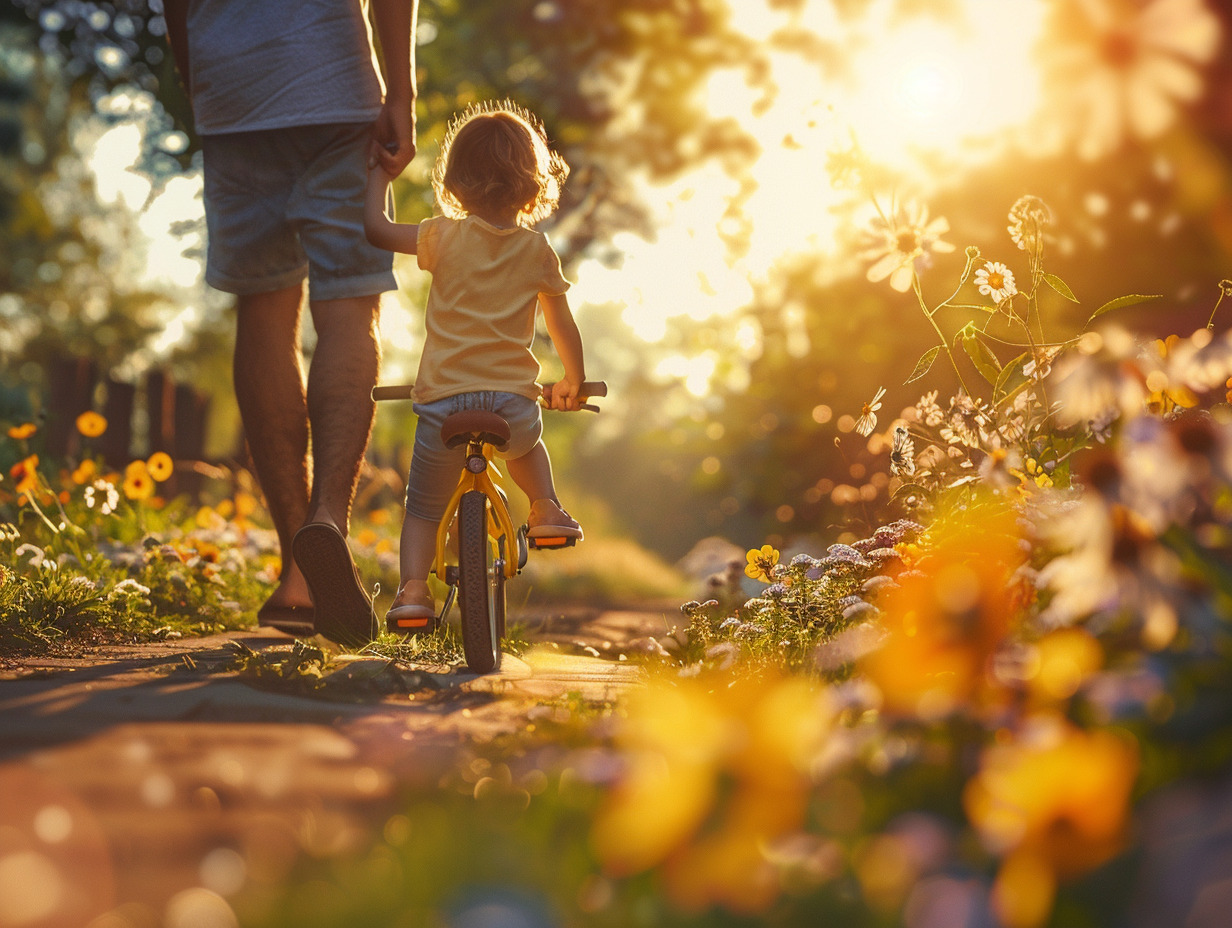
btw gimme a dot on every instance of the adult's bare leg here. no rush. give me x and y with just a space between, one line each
269 388
340 380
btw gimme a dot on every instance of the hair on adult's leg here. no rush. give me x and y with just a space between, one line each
269 389
340 380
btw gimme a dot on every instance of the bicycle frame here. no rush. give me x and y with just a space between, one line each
500 524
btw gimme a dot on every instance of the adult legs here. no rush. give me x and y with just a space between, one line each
339 402
269 388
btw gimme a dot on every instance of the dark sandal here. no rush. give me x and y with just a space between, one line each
342 610
291 620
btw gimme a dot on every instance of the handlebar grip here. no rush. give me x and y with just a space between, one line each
399 391
588 389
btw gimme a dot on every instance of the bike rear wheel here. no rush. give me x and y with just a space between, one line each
481 586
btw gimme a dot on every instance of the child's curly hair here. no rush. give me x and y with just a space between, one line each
495 155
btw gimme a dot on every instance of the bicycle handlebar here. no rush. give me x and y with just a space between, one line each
402 391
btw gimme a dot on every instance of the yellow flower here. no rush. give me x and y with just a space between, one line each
717 770
1228 397
245 504
137 482
160 466
760 562
22 432
85 472
1036 472
1064 659
91 424
1053 803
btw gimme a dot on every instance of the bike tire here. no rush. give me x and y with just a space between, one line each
480 585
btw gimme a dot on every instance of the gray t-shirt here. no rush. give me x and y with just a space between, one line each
270 64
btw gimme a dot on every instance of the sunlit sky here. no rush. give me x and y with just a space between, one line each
917 87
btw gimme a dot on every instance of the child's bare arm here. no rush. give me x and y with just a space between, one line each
379 229
568 342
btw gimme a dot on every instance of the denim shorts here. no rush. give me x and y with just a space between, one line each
285 204
435 469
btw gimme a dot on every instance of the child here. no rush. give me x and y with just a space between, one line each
495 177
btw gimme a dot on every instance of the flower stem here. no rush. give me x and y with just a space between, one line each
945 343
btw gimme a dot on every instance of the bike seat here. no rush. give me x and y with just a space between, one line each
461 427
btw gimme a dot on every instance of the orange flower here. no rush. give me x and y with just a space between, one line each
1228 396
947 618
137 482
85 472
91 424
25 472
1054 804
22 432
160 465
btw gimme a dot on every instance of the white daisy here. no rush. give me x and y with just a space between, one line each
996 280
868 414
1123 67
904 245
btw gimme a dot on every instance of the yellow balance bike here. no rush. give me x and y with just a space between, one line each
490 550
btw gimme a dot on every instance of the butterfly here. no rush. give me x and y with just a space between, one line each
902 454
868 415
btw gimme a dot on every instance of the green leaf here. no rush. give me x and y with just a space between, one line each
1060 286
922 365
911 489
1130 299
981 355
1007 373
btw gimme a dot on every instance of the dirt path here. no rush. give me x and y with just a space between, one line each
134 784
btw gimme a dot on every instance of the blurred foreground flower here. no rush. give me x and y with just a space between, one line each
905 245
947 617
23 431
1052 803
1120 66
717 772
91 424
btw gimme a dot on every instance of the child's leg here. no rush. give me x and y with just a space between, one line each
533 473
416 551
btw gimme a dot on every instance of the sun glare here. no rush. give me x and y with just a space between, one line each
913 92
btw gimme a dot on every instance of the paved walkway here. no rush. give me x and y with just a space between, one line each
129 778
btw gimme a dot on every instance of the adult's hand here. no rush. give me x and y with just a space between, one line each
393 137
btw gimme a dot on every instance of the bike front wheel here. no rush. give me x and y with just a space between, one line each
481 586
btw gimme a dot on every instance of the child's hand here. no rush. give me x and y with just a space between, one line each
565 394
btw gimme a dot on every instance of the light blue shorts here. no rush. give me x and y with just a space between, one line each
435 469
285 204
